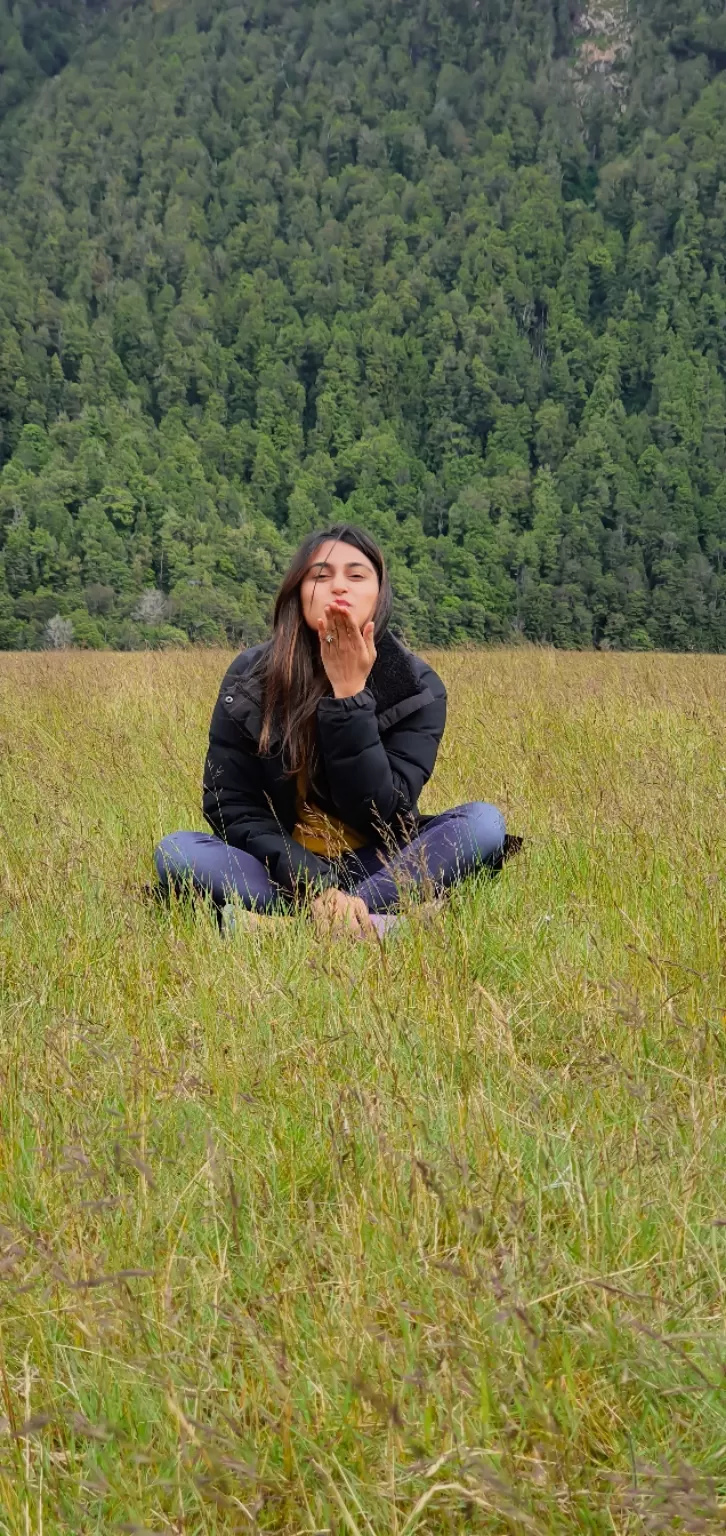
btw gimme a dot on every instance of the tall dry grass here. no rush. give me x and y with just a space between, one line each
316 1237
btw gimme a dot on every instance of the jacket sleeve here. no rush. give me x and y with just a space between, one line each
237 809
373 781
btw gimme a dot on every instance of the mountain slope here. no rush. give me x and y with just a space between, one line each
452 271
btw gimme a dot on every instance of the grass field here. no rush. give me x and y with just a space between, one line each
314 1237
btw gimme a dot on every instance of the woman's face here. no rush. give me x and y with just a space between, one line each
340 574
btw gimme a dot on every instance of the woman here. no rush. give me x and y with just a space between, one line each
320 744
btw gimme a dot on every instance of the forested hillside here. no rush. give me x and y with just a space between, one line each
453 269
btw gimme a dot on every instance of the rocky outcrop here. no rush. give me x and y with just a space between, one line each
603 40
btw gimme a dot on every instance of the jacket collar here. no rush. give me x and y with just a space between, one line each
393 677
393 682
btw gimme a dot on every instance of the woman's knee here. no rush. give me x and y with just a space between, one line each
173 855
486 826
210 866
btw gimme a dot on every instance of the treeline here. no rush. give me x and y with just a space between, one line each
453 271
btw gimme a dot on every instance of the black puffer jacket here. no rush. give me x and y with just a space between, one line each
377 751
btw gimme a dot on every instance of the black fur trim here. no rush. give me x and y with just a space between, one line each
393 677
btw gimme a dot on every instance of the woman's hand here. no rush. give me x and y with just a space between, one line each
347 652
335 912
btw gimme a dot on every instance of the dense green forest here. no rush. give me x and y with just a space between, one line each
453 269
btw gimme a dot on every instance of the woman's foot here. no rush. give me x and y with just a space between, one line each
235 919
383 923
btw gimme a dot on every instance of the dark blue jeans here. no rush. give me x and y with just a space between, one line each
447 849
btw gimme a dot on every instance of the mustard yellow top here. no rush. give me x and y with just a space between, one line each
319 832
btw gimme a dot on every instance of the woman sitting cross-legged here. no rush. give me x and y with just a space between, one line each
320 744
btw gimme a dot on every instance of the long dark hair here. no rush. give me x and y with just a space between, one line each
294 677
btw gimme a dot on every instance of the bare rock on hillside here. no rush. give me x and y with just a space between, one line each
604 35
